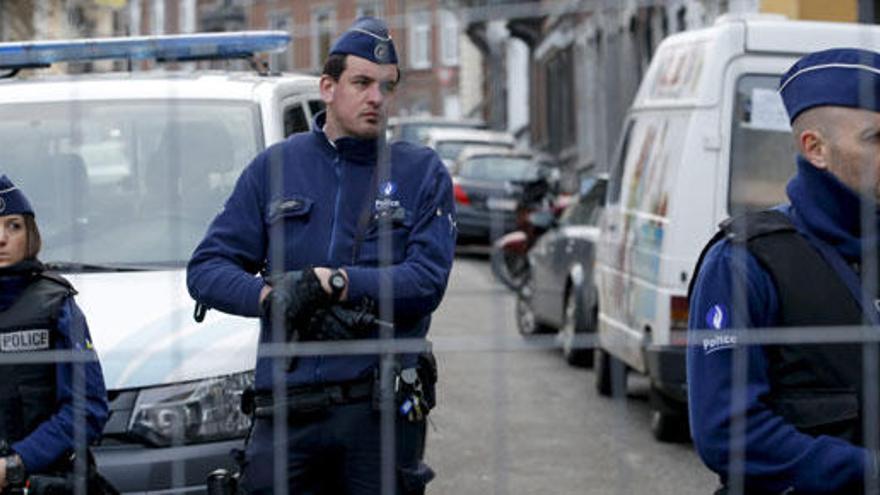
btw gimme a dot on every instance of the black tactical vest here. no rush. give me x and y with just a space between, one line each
817 388
27 390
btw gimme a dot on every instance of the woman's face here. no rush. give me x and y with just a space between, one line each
13 240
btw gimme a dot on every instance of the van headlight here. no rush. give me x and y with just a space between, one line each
194 412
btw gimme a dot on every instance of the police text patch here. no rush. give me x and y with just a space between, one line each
24 340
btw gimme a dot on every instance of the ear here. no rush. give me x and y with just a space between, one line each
814 147
328 87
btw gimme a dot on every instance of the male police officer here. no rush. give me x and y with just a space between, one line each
328 208
798 265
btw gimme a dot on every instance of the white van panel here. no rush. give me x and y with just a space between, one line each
803 37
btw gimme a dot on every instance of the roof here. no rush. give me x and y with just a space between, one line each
431 119
468 135
158 84
479 150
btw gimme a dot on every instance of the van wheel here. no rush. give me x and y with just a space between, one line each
610 373
668 422
573 333
526 323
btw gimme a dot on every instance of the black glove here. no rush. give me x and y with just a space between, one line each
338 323
295 297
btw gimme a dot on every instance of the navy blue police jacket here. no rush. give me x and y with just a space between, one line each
777 456
55 437
299 204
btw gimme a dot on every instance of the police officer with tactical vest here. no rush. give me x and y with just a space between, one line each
343 229
795 267
39 415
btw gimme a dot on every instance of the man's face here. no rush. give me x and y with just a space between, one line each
13 239
357 102
853 151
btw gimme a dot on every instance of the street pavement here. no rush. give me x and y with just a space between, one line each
521 421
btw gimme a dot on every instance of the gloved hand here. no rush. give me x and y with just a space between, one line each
295 297
338 323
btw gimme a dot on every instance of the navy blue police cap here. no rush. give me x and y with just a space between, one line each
12 200
367 38
843 77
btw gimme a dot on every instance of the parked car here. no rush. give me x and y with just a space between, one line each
415 128
449 143
560 294
125 171
707 137
488 184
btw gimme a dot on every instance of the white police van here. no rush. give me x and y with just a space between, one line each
125 171
706 137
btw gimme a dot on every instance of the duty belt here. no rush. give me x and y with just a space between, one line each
313 398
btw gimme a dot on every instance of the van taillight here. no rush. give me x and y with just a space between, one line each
461 197
678 313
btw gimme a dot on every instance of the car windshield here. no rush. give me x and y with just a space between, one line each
499 169
126 183
415 132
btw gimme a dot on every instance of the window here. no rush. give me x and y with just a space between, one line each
295 120
323 31
370 8
616 180
560 117
280 61
316 106
449 33
761 147
420 40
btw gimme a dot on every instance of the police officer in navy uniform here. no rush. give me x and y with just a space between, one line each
332 218
796 266
38 411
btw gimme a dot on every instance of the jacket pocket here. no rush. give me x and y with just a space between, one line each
822 412
295 207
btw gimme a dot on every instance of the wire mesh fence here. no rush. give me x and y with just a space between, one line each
630 130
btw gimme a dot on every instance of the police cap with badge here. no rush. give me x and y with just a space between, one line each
843 77
12 200
367 38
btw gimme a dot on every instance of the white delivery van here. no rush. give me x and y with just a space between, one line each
125 171
706 137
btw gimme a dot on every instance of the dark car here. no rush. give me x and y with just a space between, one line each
488 185
560 294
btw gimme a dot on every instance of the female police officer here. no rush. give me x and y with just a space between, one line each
38 412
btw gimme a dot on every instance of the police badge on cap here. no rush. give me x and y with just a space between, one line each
12 200
367 38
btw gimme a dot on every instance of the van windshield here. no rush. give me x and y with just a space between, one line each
126 183
762 149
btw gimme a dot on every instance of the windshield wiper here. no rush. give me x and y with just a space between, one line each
75 267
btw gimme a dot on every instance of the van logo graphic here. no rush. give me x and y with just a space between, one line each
25 340
387 189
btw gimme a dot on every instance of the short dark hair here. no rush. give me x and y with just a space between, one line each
34 242
335 65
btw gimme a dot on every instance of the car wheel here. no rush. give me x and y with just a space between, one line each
573 333
668 422
610 373
526 322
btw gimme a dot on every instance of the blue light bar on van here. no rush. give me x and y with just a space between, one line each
203 46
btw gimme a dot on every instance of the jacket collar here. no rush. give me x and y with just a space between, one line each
360 151
830 210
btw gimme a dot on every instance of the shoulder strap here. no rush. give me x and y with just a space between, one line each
742 228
